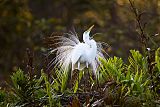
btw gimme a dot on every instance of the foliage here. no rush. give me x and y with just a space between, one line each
123 84
27 90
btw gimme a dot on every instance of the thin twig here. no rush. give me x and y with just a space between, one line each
144 38
30 67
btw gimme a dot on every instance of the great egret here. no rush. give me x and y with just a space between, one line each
72 51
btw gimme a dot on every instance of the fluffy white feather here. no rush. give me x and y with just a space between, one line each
71 51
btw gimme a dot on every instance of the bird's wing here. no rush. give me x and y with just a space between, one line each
64 46
100 54
101 49
73 37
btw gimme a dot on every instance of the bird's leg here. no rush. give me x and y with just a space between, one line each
72 69
78 65
87 64
78 73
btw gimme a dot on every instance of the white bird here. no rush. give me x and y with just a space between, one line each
78 54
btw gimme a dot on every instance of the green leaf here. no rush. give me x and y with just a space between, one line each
77 81
157 59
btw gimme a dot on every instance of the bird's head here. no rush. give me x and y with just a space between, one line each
86 36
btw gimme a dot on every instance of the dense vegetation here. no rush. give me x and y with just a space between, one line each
24 24
119 84
130 81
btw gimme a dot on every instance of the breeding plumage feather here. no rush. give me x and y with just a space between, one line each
66 45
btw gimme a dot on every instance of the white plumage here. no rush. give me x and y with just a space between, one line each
79 54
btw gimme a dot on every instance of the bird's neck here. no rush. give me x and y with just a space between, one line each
93 50
86 38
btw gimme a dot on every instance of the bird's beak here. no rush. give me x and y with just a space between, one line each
90 28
